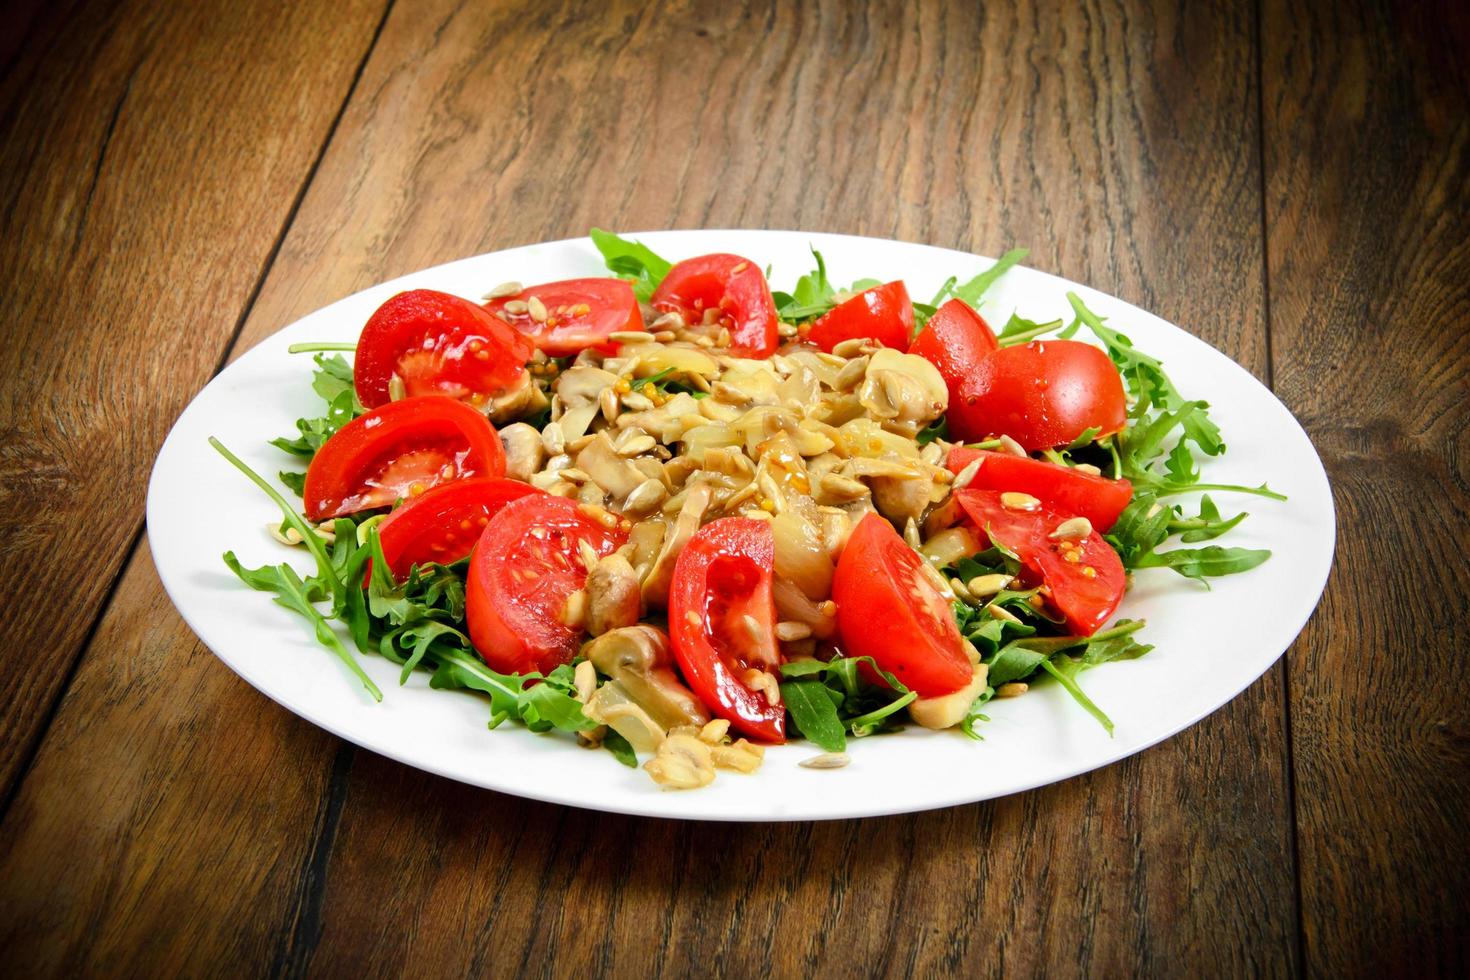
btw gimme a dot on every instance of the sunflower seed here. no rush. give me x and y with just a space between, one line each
608 403
827 760
851 374
1009 445
1011 500
999 612
984 586
1012 690
503 290
516 307
1087 468
791 631
629 336
645 497
1072 529
669 321
537 309
967 475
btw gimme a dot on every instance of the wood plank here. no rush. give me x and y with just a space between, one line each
149 157
1367 128
1123 152
150 839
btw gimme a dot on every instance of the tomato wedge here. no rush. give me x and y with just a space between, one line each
888 609
732 285
1085 577
580 313
884 314
955 341
398 451
722 621
443 524
1042 394
436 344
526 565
1072 491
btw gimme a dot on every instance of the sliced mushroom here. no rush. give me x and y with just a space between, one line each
524 451
582 385
801 555
599 459
613 706
638 659
656 585
900 499
614 599
523 398
682 762
949 710
949 546
905 390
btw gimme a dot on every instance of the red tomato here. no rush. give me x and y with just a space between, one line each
525 566
722 619
1085 577
1096 498
443 525
735 287
437 344
1042 394
580 313
398 451
888 609
884 314
955 341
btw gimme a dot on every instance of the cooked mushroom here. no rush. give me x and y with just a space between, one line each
523 398
900 498
614 599
599 459
638 660
949 710
949 546
612 706
524 451
682 762
656 585
904 390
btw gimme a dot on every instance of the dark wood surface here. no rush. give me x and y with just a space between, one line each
180 182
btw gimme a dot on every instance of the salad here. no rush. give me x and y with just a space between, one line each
680 516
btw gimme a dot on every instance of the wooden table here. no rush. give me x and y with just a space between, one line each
181 180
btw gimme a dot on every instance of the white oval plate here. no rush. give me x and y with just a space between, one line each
1209 644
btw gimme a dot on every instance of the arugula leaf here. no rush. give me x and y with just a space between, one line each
971 291
295 482
812 710
1019 330
1068 680
332 378
551 704
812 296
298 596
1199 563
1053 655
1207 525
938 429
632 261
621 748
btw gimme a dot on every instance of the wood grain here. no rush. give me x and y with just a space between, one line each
1367 163
149 158
1118 142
